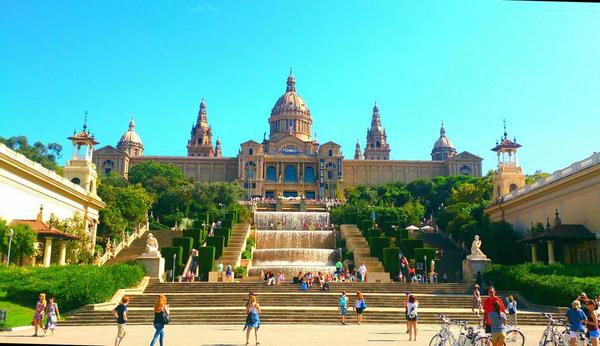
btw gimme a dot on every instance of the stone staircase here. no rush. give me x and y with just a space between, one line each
223 303
359 246
232 253
165 238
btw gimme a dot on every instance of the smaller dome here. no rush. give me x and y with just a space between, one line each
443 141
130 138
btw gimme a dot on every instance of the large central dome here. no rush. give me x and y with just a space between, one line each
290 116
290 102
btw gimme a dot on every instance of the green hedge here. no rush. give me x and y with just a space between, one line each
167 253
402 234
158 226
554 284
72 285
376 246
227 224
232 215
206 258
186 243
225 233
195 233
340 243
391 260
247 253
407 246
365 225
424 251
218 242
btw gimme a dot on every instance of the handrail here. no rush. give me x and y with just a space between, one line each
188 264
112 250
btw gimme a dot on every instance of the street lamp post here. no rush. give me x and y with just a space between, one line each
11 233
425 266
174 257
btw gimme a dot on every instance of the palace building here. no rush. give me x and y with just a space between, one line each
290 162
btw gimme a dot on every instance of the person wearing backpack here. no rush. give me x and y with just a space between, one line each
343 305
161 317
412 316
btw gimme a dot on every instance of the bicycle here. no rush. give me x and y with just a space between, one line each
514 337
467 335
551 335
582 339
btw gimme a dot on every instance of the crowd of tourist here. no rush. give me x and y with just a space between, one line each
583 318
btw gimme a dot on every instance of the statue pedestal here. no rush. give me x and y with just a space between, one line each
473 264
154 266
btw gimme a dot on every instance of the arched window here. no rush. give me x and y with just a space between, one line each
290 174
377 144
512 187
309 174
271 173
250 169
108 166
76 181
330 167
250 151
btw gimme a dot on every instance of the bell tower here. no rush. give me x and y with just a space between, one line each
509 175
377 147
80 169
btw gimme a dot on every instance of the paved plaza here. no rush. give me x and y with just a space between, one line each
189 335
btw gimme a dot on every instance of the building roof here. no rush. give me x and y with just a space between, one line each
560 231
44 230
443 142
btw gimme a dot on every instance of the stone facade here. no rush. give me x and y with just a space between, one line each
291 162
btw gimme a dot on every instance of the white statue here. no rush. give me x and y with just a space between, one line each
151 247
432 266
476 249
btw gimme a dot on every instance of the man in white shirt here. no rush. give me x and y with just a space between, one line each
362 271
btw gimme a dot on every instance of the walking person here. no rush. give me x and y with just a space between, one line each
228 274
512 311
343 306
362 272
476 300
161 317
220 270
488 306
592 322
576 318
52 315
406 309
412 317
252 319
38 315
120 312
497 321
359 306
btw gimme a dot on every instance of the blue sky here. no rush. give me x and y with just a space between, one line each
467 63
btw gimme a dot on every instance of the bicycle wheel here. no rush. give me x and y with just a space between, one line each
483 341
514 338
439 340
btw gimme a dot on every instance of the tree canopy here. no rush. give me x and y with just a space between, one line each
46 155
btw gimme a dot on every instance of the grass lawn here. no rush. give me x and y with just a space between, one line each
16 315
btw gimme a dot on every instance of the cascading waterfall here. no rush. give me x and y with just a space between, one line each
290 242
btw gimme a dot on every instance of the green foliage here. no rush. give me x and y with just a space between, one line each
555 284
22 247
376 246
72 285
225 233
340 244
348 256
391 260
218 243
127 205
206 258
402 234
77 250
420 252
45 155
186 244
158 226
538 175
408 246
196 234
167 253
240 272
247 253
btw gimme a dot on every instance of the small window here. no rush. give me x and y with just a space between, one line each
330 152
250 151
512 187
76 181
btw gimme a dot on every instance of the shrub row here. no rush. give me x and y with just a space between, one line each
545 284
376 246
391 261
219 244
407 246
206 260
167 253
72 285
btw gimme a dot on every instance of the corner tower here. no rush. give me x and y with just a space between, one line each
80 169
377 147
509 175
200 143
290 116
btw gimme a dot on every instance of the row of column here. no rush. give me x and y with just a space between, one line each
551 258
62 256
